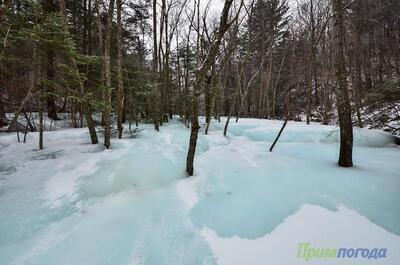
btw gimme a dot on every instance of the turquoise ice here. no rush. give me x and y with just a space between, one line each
74 203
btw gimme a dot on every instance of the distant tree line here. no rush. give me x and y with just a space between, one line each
142 60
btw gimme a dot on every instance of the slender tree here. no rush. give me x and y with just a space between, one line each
155 70
107 71
343 102
201 74
120 92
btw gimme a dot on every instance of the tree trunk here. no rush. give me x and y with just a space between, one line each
193 141
313 55
40 121
275 87
49 7
234 99
107 71
279 135
101 53
261 94
168 86
3 119
51 104
268 85
308 95
84 106
261 89
36 83
120 94
155 70
343 102
213 96
207 94
199 79
358 80
91 127
232 108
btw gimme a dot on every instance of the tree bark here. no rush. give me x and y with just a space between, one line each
207 94
107 71
308 95
199 78
3 119
155 70
40 121
100 53
279 135
313 54
120 92
49 6
358 79
343 102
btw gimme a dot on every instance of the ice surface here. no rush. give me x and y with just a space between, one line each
256 130
294 174
319 227
75 203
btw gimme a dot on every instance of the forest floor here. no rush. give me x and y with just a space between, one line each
76 203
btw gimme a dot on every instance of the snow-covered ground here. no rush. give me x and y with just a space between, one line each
76 203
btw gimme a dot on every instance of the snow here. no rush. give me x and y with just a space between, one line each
281 244
76 203
385 117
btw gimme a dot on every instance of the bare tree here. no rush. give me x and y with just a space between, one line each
343 101
107 71
201 73
120 92
155 70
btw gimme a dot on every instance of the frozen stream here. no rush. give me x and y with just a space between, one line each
74 203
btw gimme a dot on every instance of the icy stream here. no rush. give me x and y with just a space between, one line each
75 203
